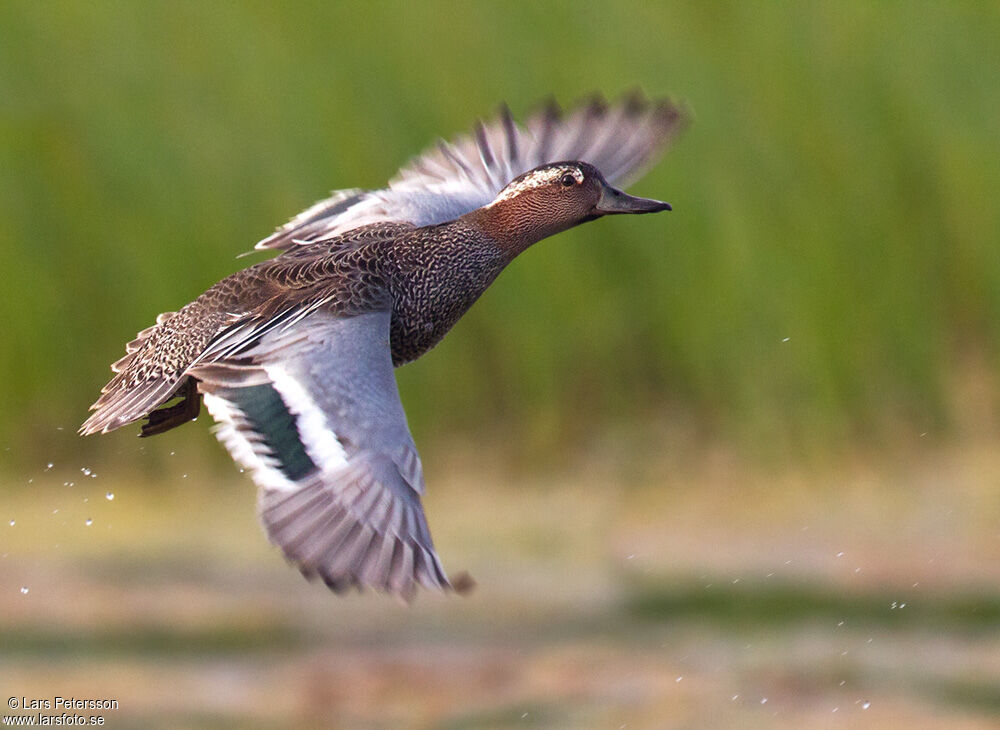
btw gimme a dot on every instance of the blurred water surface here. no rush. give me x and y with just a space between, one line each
720 597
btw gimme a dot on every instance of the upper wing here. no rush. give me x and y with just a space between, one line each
312 410
620 140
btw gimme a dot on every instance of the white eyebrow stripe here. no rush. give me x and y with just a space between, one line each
537 179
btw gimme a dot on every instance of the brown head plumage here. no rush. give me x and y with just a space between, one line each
552 198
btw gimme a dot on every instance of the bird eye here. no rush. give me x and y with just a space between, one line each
568 180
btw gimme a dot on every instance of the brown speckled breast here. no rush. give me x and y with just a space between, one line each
434 278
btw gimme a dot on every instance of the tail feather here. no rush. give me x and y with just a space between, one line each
153 368
121 404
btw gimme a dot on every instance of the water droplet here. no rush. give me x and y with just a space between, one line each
88 522
679 679
49 466
840 554
865 705
763 700
85 471
734 698
785 339
55 511
109 496
24 590
834 709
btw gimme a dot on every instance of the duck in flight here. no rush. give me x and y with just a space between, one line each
294 356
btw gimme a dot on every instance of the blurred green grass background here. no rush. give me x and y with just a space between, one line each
829 272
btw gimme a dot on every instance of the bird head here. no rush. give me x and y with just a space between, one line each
557 196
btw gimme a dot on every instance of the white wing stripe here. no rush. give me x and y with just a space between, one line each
245 453
320 442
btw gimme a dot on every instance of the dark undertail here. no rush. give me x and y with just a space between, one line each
168 417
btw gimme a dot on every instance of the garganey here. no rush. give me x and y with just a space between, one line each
294 356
